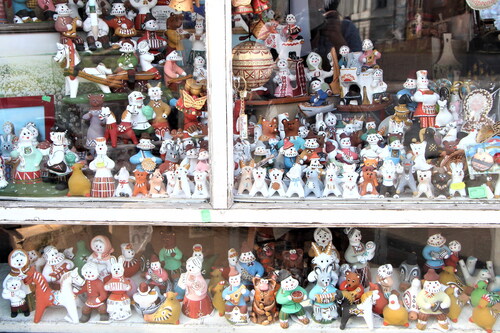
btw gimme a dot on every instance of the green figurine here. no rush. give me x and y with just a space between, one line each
290 295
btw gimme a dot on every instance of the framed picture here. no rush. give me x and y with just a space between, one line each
21 110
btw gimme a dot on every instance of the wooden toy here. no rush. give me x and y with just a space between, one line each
169 311
395 314
264 308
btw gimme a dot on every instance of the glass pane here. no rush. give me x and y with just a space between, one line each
365 99
112 103
215 277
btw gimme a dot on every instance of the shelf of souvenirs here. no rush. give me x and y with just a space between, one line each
275 213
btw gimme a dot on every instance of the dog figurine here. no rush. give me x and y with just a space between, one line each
424 183
200 185
259 182
277 185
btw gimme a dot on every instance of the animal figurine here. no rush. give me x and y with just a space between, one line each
141 183
381 302
323 258
363 309
296 185
426 101
170 255
352 286
432 302
196 302
388 171
78 183
313 183
290 295
259 182
246 176
418 150
349 187
36 260
395 314
123 188
169 311
483 315
332 181
145 299
201 190
276 185
435 252
292 260
217 301
406 178
479 291
236 296
455 304
267 256
424 183
14 293
440 179
473 279
457 179
96 126
118 302
182 186
46 296
408 270
103 185
156 185
323 296
410 299
264 308
359 254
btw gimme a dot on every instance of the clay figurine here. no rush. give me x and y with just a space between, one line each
141 186
426 101
410 299
169 311
315 70
130 264
394 313
385 279
432 302
236 296
151 37
249 265
97 30
103 185
290 295
283 79
78 183
144 160
198 48
196 302
171 70
118 303
143 8
408 270
28 169
14 293
435 252
319 95
455 248
264 308
484 315
364 309
96 126
123 188
161 109
96 295
146 300
323 296
457 179
369 56
170 255
56 265
66 25
359 255
101 255
140 113
122 26
175 34
157 276
22 13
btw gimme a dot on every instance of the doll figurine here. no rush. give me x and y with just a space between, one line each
157 276
249 265
369 56
385 279
56 265
66 25
171 70
145 147
426 101
14 293
290 295
122 26
319 95
198 39
199 70
322 241
97 30
432 302
161 110
28 169
196 302
96 126
236 296
175 34
103 185
144 8
118 302
264 308
435 252
156 43
322 296
96 294
22 13
455 248
292 30
130 264
409 88
101 255
343 51
283 79
128 61
357 254
315 70
170 255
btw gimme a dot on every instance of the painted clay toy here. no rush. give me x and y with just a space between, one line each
395 314
198 39
457 179
144 160
151 36
175 34
97 30
456 304
479 291
170 255
118 302
123 188
408 270
143 9
283 79
382 301
363 309
217 300
140 113
455 248
290 295
426 101
14 293
157 276
440 181
410 299
385 279
156 184
96 126
236 296
101 255
483 315
323 296
131 265
246 176
406 178
161 109
196 302
171 70
169 311
28 169
96 295
146 300
56 265
388 171
81 254
424 183
182 187
146 59
369 56
352 287
122 26
323 244
435 252
319 95
78 183
350 187
432 302
66 25
103 185
359 254
201 187
369 182
476 276
264 308
22 13
141 186
249 265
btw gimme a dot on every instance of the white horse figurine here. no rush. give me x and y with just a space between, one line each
70 55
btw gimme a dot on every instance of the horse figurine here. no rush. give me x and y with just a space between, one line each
67 52
46 297
364 309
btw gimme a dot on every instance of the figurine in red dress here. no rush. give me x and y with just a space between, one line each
96 295
196 302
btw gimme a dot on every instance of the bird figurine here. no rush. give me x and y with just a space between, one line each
394 313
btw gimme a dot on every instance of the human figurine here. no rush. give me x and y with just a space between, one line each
292 30
156 43
101 255
145 60
140 114
283 79
96 294
56 265
315 70
103 185
343 51
236 296
455 248
409 88
118 302
96 31
170 255
358 254
199 70
127 61
145 298
14 293
66 25
322 242
385 279
369 56
157 276
435 252
198 39
432 302
145 147
96 124
49 11
29 157
249 265
171 70
426 101
290 295
22 13
143 8
122 26
196 302
319 96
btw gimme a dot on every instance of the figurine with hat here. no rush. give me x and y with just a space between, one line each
236 296
171 70
432 302
426 101
249 265
346 152
319 96
128 60
435 252
409 88
311 145
196 303
157 276
122 26
144 8
146 300
157 44
290 154
144 160
290 295
66 25
103 185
